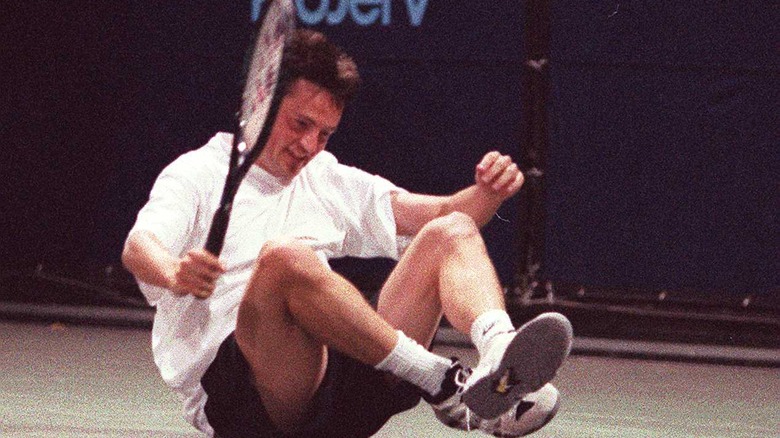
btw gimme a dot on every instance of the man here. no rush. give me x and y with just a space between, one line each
267 341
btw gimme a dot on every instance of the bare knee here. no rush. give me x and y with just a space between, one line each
287 260
284 268
449 229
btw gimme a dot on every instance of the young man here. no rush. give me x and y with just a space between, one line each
267 341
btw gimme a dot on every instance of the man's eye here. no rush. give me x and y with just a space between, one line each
301 124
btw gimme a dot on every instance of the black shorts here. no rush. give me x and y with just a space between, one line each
354 400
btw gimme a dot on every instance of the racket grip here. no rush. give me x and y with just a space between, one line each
219 225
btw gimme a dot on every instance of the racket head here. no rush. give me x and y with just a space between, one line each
262 77
257 112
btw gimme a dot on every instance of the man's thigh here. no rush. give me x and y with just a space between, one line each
287 364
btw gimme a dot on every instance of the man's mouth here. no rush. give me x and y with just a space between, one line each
298 157
297 160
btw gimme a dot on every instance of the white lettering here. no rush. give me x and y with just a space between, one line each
309 16
416 10
257 6
337 16
371 14
362 12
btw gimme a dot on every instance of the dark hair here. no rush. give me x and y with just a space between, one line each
311 56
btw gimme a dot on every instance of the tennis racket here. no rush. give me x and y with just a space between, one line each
257 112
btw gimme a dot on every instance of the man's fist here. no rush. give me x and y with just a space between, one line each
498 174
197 274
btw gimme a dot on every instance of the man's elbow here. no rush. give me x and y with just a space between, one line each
130 252
127 255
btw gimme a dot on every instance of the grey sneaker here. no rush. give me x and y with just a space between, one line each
447 404
451 386
525 417
518 363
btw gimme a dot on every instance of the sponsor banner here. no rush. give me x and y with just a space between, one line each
416 29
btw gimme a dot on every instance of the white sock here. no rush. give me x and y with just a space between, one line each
487 326
413 363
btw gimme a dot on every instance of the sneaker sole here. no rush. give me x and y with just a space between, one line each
546 420
532 359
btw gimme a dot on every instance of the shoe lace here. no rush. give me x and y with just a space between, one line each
460 379
461 376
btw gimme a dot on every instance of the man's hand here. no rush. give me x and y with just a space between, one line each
498 175
196 273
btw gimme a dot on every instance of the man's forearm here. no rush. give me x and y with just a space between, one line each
476 202
146 258
496 179
413 211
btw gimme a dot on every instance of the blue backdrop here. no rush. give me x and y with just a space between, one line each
663 162
663 152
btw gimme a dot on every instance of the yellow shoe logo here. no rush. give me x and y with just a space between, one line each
504 383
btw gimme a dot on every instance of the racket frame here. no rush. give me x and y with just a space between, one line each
243 154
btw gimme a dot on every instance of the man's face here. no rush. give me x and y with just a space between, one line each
307 117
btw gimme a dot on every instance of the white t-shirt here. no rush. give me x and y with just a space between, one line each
338 210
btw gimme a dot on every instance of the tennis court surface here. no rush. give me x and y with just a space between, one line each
97 381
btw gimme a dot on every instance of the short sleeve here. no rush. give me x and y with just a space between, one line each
363 202
171 210
171 213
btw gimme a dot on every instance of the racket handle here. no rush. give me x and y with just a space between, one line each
219 225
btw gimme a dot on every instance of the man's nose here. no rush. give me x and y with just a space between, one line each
310 142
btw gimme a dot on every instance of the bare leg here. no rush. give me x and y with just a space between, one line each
446 270
293 307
